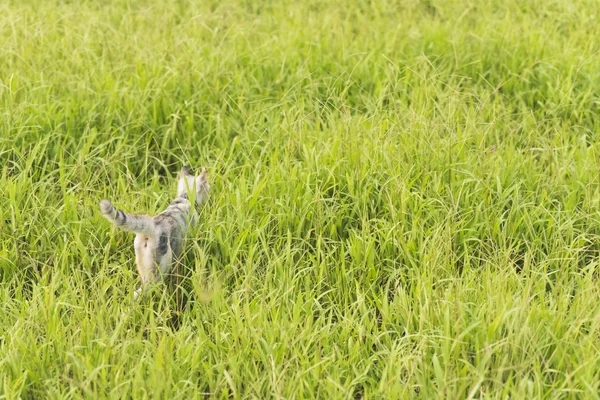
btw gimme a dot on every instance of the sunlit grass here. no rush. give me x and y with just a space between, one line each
404 198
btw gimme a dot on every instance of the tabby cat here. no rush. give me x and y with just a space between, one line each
159 240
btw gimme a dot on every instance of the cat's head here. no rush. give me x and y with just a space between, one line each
196 186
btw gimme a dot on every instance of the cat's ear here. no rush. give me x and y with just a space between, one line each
185 171
203 177
183 181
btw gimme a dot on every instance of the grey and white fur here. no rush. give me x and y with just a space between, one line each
159 240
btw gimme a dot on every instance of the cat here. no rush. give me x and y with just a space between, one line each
159 240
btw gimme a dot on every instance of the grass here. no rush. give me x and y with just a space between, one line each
404 201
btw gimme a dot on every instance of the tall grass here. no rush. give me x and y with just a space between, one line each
404 198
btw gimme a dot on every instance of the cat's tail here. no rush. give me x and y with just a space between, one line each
127 222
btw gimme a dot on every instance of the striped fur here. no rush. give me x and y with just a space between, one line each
159 239
127 222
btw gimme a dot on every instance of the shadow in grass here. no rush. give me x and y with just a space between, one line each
180 289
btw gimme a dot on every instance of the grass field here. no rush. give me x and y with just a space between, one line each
405 198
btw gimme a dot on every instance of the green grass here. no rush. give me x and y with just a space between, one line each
404 202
